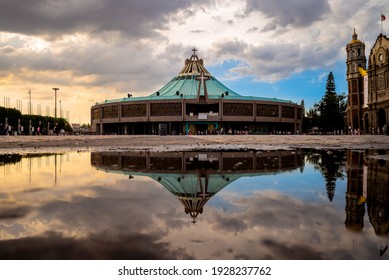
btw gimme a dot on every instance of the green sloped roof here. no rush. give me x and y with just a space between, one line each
190 184
186 86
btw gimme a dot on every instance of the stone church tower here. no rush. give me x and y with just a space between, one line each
356 65
379 85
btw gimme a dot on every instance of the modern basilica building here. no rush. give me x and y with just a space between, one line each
195 102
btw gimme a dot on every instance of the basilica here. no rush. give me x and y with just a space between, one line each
195 102
368 87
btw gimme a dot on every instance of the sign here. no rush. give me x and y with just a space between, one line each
203 116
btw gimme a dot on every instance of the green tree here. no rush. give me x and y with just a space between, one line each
311 119
331 107
331 165
14 116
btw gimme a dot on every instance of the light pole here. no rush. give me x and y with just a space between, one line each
30 107
55 108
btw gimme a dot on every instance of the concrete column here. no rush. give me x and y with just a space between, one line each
19 127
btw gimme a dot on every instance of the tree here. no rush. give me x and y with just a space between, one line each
311 119
331 165
14 116
331 107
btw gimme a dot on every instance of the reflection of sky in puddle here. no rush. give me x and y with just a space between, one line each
59 206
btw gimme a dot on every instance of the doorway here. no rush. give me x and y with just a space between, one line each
381 118
201 128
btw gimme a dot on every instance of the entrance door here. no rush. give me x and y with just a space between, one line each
201 128
381 116
366 123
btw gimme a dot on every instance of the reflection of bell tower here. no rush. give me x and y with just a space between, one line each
355 58
355 198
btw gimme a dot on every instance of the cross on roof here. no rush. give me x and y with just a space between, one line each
202 80
194 50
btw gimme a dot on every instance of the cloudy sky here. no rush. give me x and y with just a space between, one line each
95 50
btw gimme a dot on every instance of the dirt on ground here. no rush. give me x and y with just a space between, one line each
27 144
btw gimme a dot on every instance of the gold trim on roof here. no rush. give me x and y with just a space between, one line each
194 66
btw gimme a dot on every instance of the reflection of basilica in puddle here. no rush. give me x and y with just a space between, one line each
368 187
354 216
194 177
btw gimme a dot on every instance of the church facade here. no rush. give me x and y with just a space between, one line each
195 102
368 88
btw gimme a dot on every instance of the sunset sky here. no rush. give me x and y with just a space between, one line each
95 50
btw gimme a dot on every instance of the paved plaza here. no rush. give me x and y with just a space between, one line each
28 144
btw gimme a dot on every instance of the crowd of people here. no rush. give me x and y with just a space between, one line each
39 130
373 131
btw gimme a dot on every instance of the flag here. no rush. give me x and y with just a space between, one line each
361 200
383 17
362 71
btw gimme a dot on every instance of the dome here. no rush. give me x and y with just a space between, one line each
194 66
355 39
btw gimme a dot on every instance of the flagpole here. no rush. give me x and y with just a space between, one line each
382 29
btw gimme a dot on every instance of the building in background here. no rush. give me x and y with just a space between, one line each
368 89
195 102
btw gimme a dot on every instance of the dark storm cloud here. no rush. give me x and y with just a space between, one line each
275 212
230 224
229 47
101 246
297 13
252 30
113 208
285 228
57 17
282 251
269 27
117 223
7 50
13 212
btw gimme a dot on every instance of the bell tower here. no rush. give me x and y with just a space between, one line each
356 65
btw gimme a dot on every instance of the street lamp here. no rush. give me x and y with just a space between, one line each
55 109
30 107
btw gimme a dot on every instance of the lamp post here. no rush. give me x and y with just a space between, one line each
30 106
55 108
